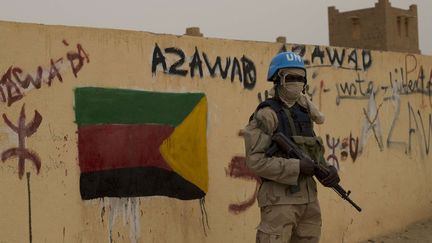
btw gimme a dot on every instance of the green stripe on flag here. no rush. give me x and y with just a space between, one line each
120 106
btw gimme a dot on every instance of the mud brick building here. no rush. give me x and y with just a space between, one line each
380 28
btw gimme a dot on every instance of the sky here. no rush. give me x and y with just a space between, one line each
301 21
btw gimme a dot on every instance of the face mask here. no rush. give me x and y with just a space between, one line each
289 92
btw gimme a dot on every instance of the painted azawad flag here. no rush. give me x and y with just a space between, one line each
137 143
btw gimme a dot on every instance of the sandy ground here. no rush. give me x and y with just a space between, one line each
419 232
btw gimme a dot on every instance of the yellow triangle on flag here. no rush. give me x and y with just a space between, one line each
186 149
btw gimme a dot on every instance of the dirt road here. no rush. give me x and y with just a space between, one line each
420 233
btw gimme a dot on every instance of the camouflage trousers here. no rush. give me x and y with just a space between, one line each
290 223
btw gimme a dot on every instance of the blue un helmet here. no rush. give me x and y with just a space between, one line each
284 60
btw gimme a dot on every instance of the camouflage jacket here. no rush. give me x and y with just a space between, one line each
278 173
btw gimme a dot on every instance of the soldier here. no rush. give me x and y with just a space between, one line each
287 198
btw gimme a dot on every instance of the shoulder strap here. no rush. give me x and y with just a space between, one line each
291 122
283 120
276 106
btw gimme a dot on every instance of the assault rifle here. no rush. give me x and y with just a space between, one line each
321 171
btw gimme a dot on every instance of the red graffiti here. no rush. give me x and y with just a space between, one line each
333 145
354 147
13 93
348 146
77 56
238 169
14 82
344 148
23 130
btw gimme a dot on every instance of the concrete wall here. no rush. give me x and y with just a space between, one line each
378 107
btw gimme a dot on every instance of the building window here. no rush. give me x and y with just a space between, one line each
399 26
355 28
406 26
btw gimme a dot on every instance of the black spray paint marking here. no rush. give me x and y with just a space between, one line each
354 90
29 207
242 68
421 134
333 145
174 69
336 57
408 86
426 143
301 51
223 71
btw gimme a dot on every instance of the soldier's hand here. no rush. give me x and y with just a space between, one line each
307 166
332 179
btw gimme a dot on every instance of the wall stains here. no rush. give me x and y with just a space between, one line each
128 209
64 234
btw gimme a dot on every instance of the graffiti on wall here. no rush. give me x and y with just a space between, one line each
411 79
160 141
341 149
15 82
372 123
23 130
322 57
160 138
237 168
242 69
420 124
359 89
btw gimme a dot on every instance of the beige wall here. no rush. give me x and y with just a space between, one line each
388 173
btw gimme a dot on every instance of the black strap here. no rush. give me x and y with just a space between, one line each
283 122
277 107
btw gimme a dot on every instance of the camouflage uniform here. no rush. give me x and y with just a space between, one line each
286 215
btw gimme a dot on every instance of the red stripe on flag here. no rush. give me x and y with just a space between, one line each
104 147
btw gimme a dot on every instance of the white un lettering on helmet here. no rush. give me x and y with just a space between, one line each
291 57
